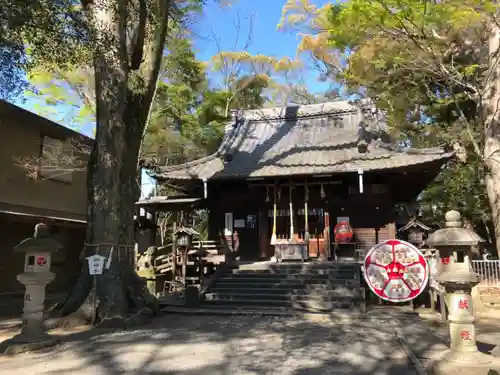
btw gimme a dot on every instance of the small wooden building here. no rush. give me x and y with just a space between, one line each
415 232
286 176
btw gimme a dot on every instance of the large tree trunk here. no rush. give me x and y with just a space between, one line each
492 136
123 100
112 192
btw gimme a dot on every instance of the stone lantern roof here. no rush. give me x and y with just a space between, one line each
454 234
40 242
186 230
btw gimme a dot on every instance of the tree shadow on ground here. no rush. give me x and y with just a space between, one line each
196 345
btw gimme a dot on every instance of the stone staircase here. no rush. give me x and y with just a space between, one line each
319 287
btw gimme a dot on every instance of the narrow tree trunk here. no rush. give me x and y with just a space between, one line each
493 190
492 138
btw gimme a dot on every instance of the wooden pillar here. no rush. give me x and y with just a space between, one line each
152 231
174 250
292 230
275 202
202 267
263 232
391 228
326 235
363 299
306 212
185 250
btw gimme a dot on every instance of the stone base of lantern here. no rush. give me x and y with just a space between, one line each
33 335
30 339
453 362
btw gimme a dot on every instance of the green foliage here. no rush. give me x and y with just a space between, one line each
60 68
188 114
50 27
71 88
424 63
459 187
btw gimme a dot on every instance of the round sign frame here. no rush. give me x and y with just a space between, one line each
388 273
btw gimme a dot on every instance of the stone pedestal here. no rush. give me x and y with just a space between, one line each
33 335
463 357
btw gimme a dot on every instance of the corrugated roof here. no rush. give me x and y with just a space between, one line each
314 139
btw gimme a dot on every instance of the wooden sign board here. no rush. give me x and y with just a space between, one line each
96 264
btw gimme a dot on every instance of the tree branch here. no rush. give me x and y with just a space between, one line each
138 37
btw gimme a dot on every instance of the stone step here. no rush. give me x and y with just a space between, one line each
341 291
300 266
306 305
297 287
230 310
298 276
345 315
296 271
314 274
290 287
267 282
217 295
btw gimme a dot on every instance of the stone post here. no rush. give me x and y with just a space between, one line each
454 272
35 278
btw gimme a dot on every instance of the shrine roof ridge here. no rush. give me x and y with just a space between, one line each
299 111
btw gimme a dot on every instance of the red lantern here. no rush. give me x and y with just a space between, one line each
343 232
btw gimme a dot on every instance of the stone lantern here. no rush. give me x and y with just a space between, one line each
185 236
454 272
35 278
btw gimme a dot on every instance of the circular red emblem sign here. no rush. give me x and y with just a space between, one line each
343 232
41 261
396 271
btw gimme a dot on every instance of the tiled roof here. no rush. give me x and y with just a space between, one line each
314 139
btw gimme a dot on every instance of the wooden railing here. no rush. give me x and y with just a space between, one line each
205 267
488 270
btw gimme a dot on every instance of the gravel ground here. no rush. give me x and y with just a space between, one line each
209 345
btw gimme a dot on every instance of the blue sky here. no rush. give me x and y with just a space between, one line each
220 22
266 40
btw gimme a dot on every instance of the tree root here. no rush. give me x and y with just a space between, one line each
83 306
74 320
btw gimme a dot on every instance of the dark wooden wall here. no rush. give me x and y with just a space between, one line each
371 213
